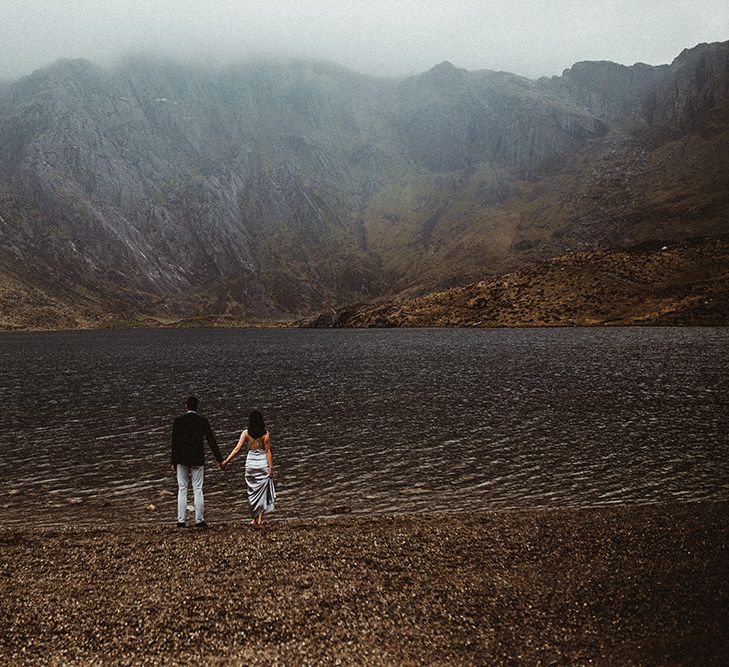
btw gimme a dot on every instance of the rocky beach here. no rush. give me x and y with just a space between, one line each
613 585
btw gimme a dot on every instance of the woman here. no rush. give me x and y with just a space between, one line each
259 467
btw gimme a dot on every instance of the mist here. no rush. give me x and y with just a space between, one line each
392 37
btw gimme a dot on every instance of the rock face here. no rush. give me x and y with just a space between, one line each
455 121
614 92
156 190
696 93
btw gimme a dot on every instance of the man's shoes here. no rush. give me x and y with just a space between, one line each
202 525
181 524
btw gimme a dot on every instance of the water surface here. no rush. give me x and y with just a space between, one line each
366 420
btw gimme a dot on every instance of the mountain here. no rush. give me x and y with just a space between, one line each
157 191
683 284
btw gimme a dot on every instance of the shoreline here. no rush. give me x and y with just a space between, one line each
302 327
642 584
161 519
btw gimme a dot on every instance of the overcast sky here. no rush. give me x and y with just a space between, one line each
391 37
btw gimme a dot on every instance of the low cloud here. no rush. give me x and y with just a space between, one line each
392 37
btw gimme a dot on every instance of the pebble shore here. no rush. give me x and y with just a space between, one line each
629 585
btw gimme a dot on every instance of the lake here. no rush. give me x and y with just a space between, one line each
366 421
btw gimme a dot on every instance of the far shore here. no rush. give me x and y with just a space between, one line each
303 324
141 325
618 585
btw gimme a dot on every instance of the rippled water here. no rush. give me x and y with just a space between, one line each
366 420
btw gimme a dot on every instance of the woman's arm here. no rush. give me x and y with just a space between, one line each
269 457
238 447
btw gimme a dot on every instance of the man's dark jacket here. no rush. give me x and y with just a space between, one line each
188 432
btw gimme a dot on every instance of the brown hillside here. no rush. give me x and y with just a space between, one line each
684 284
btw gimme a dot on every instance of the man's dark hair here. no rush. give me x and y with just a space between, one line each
191 403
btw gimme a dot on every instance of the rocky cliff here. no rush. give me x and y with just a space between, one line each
156 191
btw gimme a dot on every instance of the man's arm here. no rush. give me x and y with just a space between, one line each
175 435
210 437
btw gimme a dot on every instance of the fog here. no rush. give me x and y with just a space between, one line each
387 37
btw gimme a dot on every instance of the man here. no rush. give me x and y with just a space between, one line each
188 456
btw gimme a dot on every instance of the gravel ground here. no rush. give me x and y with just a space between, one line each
631 585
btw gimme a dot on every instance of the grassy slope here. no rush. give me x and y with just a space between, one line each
618 192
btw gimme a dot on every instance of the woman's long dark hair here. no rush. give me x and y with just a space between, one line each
256 425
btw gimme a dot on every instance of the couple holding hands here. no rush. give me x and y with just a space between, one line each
188 459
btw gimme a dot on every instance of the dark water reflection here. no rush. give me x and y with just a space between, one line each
374 421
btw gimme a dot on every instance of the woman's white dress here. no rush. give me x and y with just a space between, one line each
261 491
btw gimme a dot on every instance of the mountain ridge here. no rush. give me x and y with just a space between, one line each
269 191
